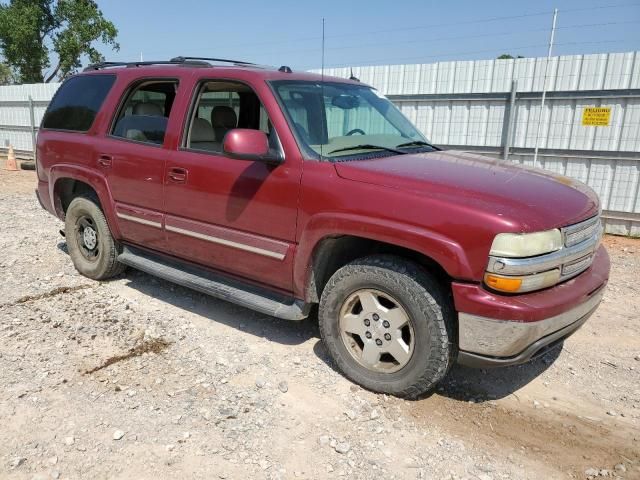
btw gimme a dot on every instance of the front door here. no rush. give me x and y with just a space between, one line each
235 215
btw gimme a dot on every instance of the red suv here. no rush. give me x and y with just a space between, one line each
280 190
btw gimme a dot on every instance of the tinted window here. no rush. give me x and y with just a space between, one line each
77 102
145 113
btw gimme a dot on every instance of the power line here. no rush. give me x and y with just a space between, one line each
428 26
602 7
604 24
457 37
253 46
437 25
473 52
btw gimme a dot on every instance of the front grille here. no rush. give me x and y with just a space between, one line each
579 265
586 234
574 234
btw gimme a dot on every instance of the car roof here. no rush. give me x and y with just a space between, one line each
255 72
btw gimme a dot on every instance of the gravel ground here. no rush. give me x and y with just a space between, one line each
138 378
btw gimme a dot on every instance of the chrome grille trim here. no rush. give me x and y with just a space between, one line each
574 234
577 266
580 243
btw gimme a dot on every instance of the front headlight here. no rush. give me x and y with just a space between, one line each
519 245
522 246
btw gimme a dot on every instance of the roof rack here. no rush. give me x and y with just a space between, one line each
209 59
190 61
101 65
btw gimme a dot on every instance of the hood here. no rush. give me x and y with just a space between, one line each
531 199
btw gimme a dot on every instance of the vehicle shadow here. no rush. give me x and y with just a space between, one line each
481 385
273 329
474 384
462 383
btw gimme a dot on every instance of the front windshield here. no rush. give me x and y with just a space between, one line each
342 121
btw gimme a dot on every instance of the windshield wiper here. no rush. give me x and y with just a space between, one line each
417 143
367 146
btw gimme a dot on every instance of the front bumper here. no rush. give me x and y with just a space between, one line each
485 342
499 330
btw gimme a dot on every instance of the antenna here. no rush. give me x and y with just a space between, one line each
322 65
322 85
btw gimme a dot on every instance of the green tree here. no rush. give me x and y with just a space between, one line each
6 75
506 56
32 30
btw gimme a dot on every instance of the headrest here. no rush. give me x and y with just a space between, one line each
147 108
223 116
201 131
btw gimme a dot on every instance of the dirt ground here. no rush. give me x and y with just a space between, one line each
138 378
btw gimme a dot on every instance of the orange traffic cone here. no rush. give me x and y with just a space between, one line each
11 164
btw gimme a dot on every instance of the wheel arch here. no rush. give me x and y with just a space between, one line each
68 182
333 252
330 240
66 189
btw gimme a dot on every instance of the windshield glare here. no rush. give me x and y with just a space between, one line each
329 119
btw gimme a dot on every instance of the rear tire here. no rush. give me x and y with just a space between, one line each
91 246
388 326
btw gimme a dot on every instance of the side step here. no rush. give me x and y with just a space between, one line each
215 285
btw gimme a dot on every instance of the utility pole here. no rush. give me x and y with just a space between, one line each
544 86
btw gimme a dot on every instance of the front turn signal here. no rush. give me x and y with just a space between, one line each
522 283
503 284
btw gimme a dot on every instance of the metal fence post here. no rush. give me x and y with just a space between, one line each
510 120
32 119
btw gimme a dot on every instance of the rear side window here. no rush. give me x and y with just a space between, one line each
145 112
77 102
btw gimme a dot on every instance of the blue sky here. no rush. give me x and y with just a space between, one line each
368 32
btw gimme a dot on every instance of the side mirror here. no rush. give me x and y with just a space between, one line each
248 144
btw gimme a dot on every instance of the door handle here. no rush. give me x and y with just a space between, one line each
178 175
105 160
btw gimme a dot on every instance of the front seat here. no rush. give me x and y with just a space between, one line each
223 119
202 136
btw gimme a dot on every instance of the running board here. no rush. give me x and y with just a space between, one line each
216 285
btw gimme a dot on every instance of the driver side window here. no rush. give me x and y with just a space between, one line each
220 107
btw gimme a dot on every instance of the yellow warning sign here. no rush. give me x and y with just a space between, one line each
596 116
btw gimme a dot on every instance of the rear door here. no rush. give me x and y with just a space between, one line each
231 214
133 155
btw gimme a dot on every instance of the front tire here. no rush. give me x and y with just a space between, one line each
92 249
388 325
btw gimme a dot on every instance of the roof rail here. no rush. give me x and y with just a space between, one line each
222 60
176 61
98 66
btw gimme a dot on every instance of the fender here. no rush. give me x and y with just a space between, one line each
443 250
96 180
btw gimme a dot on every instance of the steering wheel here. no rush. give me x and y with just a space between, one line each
355 130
